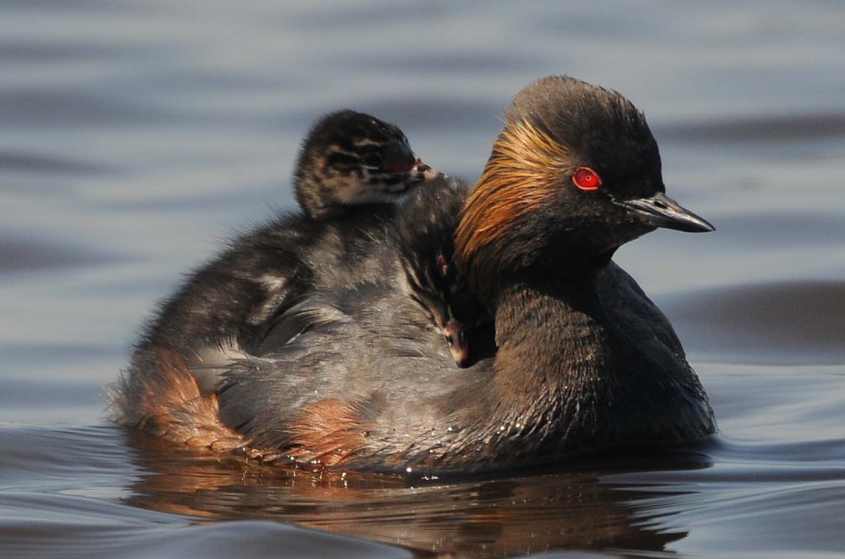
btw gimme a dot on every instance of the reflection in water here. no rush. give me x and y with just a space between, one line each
102 492
478 518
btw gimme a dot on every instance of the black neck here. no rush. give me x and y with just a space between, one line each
544 304
552 350
544 325
549 272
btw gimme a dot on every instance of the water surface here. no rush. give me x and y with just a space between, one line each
137 136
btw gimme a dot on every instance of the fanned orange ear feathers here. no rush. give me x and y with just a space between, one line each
522 173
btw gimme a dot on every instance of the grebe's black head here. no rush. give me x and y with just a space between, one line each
351 158
574 174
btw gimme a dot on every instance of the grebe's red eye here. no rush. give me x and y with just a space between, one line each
586 179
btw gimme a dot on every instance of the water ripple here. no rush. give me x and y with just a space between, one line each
766 129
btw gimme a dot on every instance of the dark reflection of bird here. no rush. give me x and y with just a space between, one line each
580 509
584 360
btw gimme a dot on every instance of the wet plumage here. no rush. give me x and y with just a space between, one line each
352 171
584 360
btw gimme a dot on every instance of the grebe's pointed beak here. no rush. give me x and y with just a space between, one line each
661 211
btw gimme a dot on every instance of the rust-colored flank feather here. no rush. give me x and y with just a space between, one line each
522 172
328 431
171 405
176 409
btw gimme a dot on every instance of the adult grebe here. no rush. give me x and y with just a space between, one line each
584 362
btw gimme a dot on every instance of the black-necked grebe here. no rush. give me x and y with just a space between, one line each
584 360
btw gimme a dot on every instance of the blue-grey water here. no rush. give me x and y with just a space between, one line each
135 136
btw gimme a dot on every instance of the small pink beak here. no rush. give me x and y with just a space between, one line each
458 344
422 172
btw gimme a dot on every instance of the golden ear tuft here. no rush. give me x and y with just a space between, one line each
522 173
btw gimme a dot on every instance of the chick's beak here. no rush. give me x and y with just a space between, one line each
661 211
458 344
422 172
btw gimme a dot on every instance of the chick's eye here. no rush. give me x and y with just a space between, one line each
397 158
585 178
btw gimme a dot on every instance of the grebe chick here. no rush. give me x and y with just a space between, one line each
352 159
